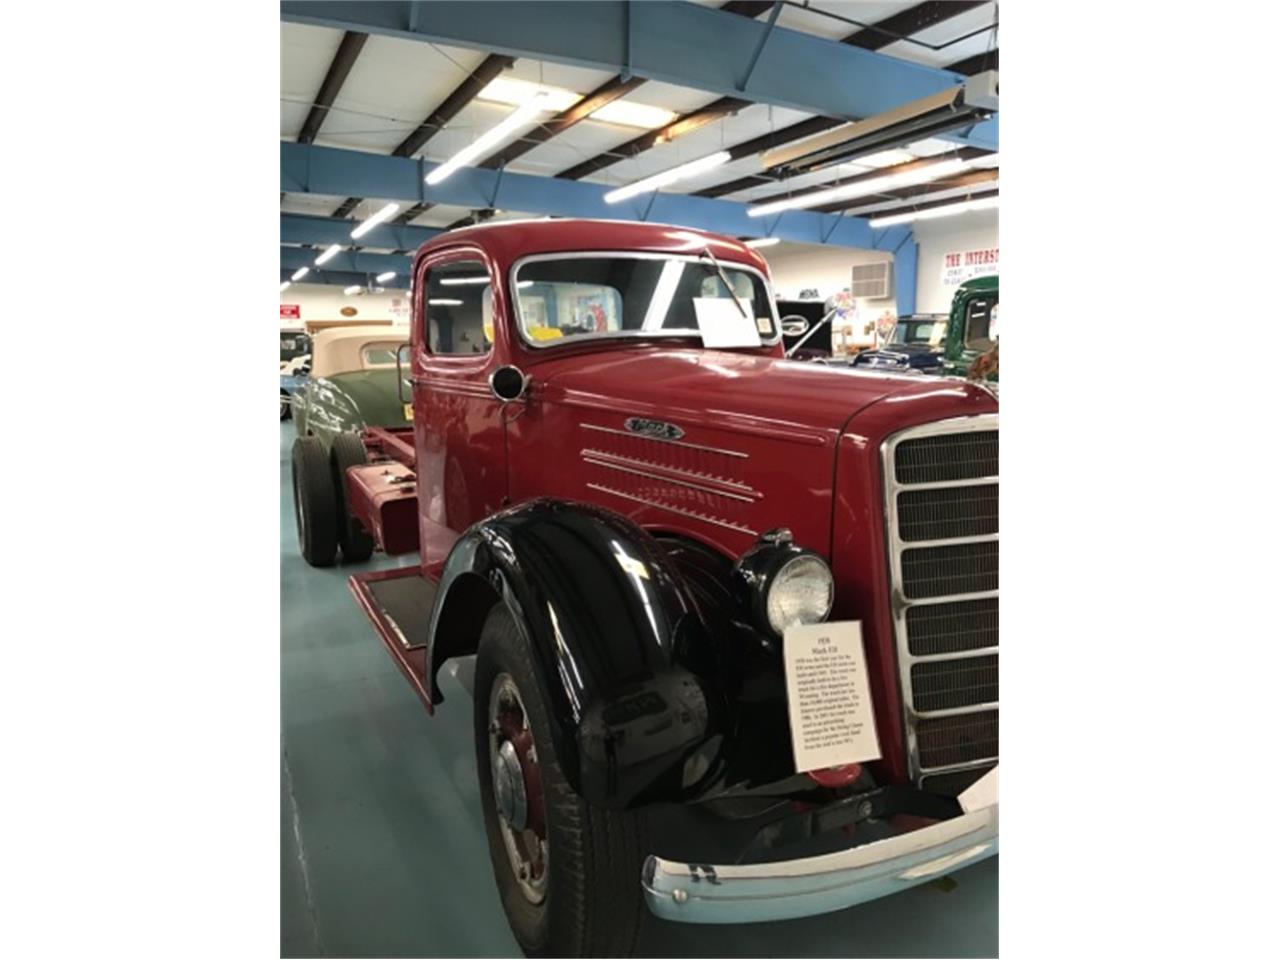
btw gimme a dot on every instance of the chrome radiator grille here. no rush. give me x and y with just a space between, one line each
942 498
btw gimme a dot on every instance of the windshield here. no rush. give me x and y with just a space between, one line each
928 331
293 345
611 295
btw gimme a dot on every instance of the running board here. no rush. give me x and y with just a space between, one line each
399 603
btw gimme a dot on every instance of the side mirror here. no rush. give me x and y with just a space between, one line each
508 384
794 326
402 358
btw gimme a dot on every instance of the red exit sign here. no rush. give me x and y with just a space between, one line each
290 311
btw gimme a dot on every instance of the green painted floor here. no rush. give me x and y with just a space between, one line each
382 846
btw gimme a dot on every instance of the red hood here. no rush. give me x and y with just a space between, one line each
723 390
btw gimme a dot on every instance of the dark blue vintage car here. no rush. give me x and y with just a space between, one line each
916 345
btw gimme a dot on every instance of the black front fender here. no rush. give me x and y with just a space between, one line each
625 663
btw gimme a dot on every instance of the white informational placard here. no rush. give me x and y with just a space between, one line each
722 324
829 696
985 792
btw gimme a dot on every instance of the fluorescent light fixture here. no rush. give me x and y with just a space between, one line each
860 188
885 158
286 285
384 277
382 216
300 273
522 284
950 210
354 288
931 147
763 242
685 170
444 302
328 254
515 92
459 281
490 138
633 114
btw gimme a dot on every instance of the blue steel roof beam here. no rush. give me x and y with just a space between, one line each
679 43
329 171
346 261
323 231
339 278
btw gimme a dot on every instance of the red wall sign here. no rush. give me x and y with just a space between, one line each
290 311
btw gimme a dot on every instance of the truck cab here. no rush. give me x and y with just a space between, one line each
948 345
972 327
633 511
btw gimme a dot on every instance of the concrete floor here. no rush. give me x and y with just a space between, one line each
382 844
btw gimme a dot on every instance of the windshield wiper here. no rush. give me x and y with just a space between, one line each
724 278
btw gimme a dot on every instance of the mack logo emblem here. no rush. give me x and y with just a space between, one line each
659 429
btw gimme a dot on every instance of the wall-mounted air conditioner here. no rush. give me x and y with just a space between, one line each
872 281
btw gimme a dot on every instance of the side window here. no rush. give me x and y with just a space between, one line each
978 324
459 304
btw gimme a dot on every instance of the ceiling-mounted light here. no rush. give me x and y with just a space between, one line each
460 281
384 277
328 254
763 242
490 138
382 216
286 285
860 188
948 210
354 288
633 114
444 302
300 273
681 172
886 158
515 93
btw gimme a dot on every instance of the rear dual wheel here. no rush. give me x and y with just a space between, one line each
314 503
348 451
568 872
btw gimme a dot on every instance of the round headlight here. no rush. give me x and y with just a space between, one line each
800 592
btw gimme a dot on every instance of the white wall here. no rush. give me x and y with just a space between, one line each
323 302
967 231
799 266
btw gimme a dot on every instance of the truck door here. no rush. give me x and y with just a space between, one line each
456 426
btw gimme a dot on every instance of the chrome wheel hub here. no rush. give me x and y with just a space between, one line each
517 788
508 787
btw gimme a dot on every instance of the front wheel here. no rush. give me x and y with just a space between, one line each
568 872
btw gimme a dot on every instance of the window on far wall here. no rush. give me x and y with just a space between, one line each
459 308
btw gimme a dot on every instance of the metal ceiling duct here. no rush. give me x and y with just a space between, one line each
970 102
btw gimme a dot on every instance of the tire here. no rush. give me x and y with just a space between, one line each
314 503
348 451
286 405
591 901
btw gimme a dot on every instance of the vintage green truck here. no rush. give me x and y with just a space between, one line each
947 347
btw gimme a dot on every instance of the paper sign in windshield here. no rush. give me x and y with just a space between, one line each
829 696
722 324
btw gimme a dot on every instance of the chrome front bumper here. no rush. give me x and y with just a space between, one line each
704 893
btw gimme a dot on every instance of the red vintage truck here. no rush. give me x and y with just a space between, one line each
630 528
